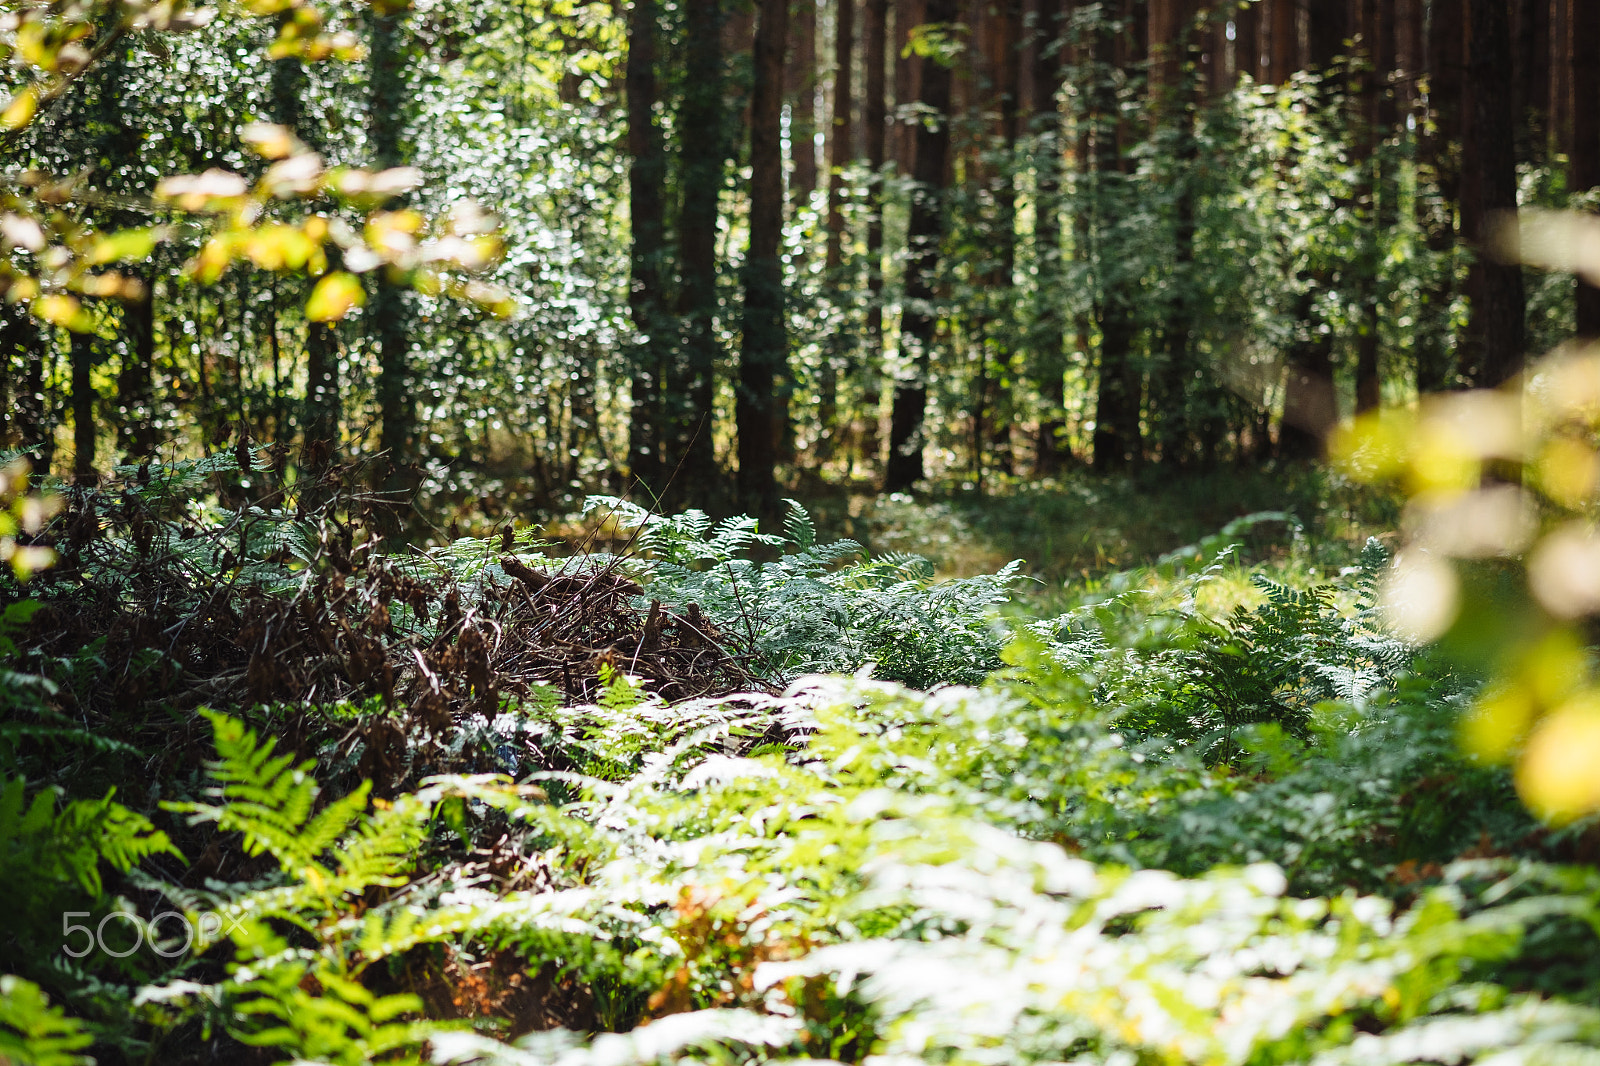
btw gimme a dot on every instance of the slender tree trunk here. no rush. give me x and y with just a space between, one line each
83 404
1049 332
1585 160
1439 167
389 316
908 14
925 232
1499 303
766 343
1285 41
691 389
1118 439
840 290
874 119
1372 124
1177 89
801 86
647 172
135 380
1329 26
1247 40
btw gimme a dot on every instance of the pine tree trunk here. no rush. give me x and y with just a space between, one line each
801 86
389 315
1585 161
646 212
924 235
1498 301
1444 64
874 119
766 342
690 389
1118 440
83 403
1049 330
840 154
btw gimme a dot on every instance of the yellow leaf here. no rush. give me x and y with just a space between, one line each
125 244
213 259
1559 775
334 297
61 310
19 112
279 247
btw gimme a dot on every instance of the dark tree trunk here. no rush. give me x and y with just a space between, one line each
907 83
923 237
1285 41
874 118
1498 301
690 391
83 404
840 289
1585 158
135 380
647 172
766 342
1446 49
1329 26
801 86
1247 41
323 402
1049 333
1118 440
1178 103
389 317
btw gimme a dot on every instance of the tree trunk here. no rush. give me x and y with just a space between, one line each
874 118
840 290
691 388
1179 44
1049 331
646 211
135 380
1445 53
907 83
766 342
23 346
924 234
83 404
389 317
1585 160
1118 440
1285 41
1329 26
1498 301
1247 41
801 86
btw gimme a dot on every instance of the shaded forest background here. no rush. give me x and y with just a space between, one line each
756 247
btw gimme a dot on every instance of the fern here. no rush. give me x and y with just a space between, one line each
33 1033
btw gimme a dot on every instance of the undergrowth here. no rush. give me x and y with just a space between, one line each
736 795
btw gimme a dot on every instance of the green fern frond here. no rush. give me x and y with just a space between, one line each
33 1033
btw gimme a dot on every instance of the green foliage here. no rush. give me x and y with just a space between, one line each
33 1033
822 607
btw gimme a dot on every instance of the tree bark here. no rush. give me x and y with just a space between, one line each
646 211
801 86
1118 440
83 403
874 119
1498 301
925 232
1049 331
690 389
1440 132
1285 41
1585 160
389 316
840 288
766 343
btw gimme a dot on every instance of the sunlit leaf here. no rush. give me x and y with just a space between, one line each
334 297
19 112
